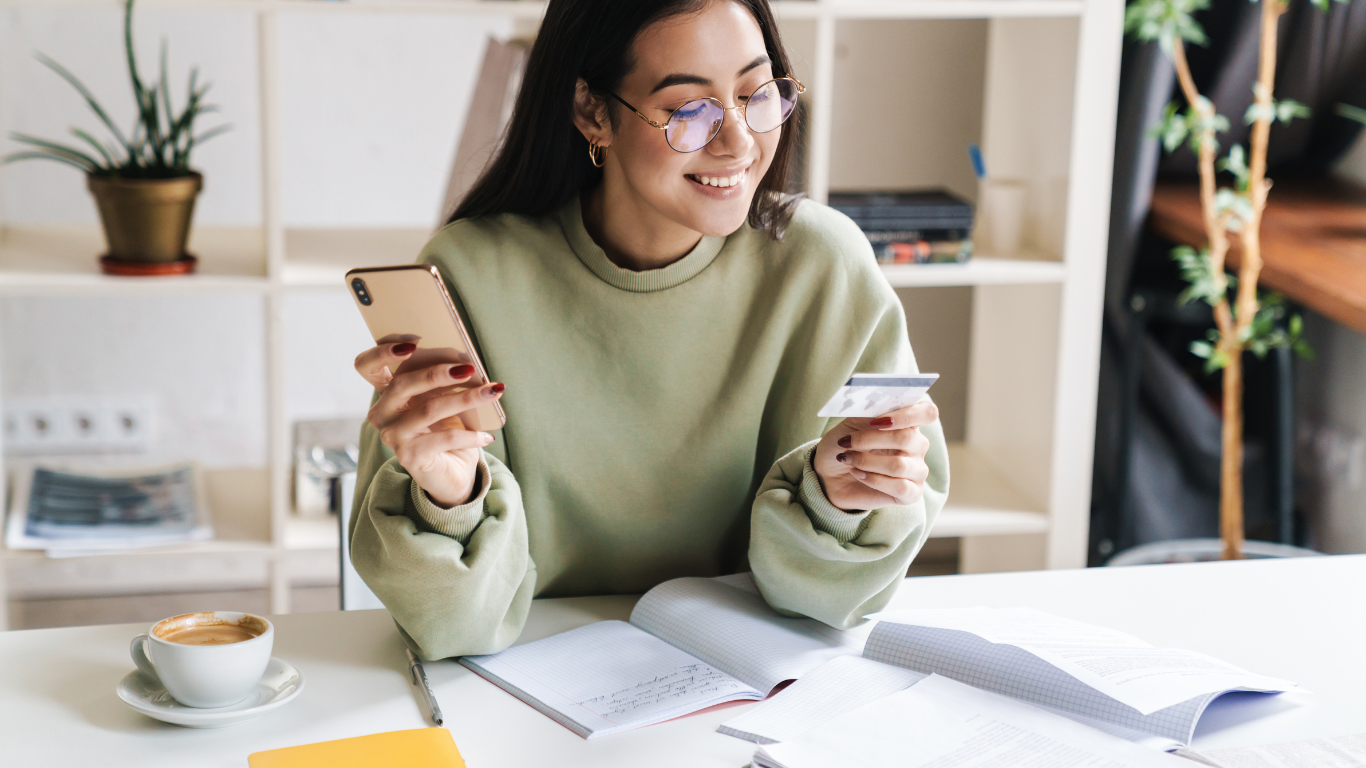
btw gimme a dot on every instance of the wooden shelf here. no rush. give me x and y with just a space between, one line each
979 270
63 259
319 258
982 502
1313 241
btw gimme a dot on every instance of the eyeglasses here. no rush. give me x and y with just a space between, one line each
693 125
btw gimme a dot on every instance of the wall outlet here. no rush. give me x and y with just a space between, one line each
77 424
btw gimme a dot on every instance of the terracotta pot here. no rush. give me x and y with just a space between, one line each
146 220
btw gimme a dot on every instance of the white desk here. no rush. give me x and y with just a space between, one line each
1303 620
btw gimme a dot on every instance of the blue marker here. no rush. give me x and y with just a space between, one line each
979 166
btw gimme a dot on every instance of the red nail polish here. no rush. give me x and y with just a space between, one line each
846 442
881 421
842 458
406 348
461 371
496 389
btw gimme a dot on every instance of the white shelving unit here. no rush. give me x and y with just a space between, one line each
1021 480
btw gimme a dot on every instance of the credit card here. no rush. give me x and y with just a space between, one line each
868 395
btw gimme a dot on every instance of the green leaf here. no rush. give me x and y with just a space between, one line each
1350 112
1289 109
1172 129
89 97
37 155
109 162
1176 127
55 148
1236 164
1272 110
1165 21
1202 283
1237 204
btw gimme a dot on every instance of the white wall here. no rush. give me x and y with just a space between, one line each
911 92
88 42
200 359
372 109
373 104
323 335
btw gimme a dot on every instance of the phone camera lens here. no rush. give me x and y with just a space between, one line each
362 294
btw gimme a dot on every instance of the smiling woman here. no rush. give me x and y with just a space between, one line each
661 324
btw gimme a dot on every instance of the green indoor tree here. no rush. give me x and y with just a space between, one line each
1245 321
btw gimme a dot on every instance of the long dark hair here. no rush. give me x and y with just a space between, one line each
543 161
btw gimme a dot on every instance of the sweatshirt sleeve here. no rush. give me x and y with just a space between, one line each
809 557
457 581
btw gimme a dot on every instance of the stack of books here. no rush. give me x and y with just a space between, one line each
913 227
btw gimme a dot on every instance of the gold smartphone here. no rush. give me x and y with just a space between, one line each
410 303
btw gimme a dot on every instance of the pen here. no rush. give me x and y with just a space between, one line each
420 674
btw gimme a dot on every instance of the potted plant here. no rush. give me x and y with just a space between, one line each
1245 319
142 182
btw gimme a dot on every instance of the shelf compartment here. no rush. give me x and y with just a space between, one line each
982 502
320 258
64 258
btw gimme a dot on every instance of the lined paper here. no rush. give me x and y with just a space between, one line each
607 677
939 723
838 686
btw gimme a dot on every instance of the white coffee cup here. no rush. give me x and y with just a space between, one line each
206 675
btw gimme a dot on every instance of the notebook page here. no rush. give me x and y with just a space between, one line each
1118 665
1015 672
938 722
849 682
608 677
736 631
840 685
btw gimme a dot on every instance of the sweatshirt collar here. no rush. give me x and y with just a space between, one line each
647 281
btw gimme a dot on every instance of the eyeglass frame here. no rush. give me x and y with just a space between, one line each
724 109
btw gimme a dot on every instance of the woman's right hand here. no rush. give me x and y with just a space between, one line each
411 416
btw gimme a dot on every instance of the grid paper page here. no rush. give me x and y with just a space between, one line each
736 631
608 677
938 723
838 686
1015 672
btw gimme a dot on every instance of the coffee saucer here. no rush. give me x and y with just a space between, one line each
279 685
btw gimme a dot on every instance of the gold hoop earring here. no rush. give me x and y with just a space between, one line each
597 155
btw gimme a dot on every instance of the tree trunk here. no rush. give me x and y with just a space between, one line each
1231 462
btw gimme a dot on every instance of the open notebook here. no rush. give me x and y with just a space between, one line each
1097 676
691 643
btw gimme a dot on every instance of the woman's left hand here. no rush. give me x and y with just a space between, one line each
871 463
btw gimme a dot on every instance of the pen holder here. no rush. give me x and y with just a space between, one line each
1004 203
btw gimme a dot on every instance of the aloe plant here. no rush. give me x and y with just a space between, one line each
160 143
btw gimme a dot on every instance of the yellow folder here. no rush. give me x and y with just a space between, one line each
418 748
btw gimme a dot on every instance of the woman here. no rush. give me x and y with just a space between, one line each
662 325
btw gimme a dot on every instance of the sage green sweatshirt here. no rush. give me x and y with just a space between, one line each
659 424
